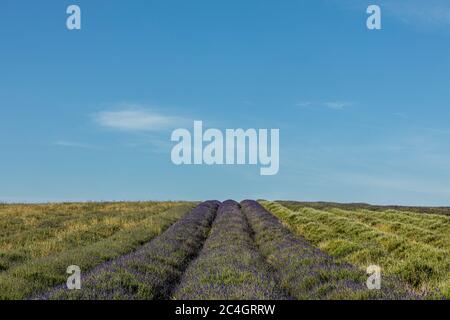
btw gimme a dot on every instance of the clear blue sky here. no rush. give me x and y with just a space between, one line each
363 115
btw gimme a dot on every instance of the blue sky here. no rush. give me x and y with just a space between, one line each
87 115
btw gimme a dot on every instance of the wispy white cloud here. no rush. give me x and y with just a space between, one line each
71 144
153 144
336 105
136 120
430 12
400 115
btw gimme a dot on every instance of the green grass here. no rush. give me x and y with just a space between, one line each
411 245
38 242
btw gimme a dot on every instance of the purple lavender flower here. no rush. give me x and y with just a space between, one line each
229 265
152 271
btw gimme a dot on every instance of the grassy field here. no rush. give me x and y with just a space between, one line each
152 271
229 250
411 245
38 242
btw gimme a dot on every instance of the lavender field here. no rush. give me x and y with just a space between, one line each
229 251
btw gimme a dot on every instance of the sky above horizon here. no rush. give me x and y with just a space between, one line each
363 115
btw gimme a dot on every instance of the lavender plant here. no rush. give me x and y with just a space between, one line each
229 265
152 271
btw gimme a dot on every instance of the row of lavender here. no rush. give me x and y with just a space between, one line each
152 271
229 265
305 271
